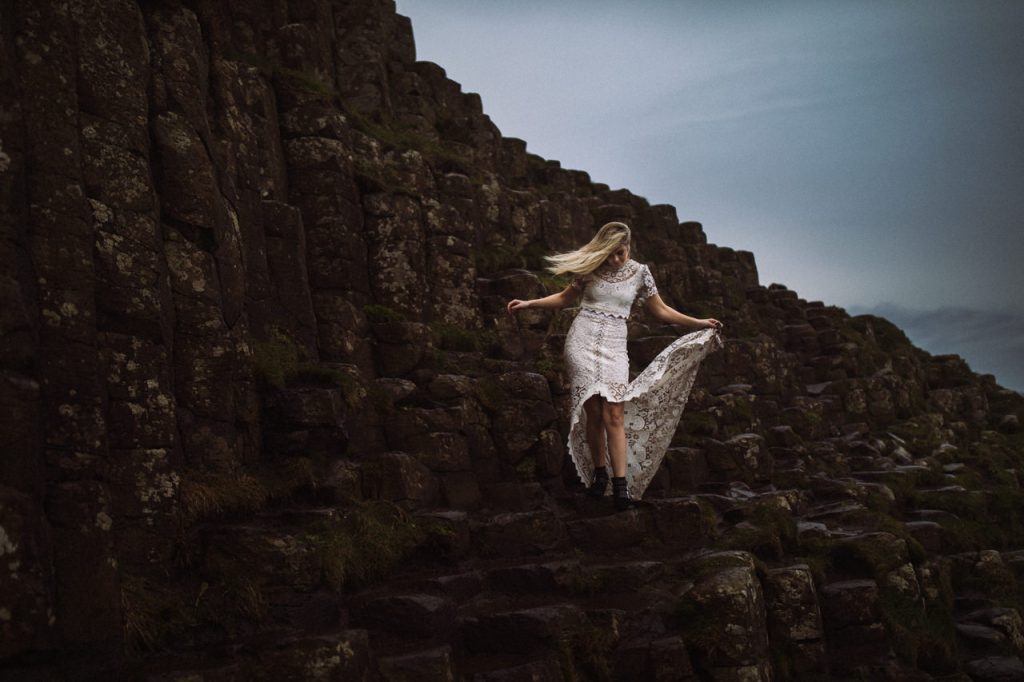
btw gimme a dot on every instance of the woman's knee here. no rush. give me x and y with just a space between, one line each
612 415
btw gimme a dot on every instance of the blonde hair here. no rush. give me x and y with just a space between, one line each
589 257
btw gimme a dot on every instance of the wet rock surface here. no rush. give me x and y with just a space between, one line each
265 416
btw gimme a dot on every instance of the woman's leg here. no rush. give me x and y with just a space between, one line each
595 430
614 426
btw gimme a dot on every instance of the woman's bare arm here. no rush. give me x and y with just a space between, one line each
563 298
665 313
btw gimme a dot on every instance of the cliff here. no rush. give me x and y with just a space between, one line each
264 415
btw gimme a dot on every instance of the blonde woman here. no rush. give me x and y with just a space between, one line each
630 423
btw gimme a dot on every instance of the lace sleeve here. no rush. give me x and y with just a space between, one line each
647 286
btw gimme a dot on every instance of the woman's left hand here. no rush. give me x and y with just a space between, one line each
711 323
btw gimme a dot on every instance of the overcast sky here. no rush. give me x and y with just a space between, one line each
869 153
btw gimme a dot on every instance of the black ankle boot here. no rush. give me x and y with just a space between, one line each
621 492
600 484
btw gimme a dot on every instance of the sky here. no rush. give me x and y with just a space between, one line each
870 153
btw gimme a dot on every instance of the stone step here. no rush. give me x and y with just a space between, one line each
833 511
340 654
505 619
938 516
995 669
611 532
791 477
1014 560
824 488
571 578
521 631
929 533
431 663
518 533
411 615
455 535
980 640
511 668
564 575
518 608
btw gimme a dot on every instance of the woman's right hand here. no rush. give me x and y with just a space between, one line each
516 304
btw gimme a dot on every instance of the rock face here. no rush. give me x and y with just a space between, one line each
264 416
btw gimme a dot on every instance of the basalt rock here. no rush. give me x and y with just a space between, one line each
260 394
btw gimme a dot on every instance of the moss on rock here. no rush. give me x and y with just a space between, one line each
583 653
455 338
276 358
366 543
922 635
379 314
205 496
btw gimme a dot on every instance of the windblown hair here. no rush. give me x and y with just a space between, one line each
589 257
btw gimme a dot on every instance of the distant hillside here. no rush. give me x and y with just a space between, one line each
991 341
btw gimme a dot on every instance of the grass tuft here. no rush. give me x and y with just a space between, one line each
153 614
583 653
217 495
369 541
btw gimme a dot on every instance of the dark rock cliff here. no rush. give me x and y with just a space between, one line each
264 416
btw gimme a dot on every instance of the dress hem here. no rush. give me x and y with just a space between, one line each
641 385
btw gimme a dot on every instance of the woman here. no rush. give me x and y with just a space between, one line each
609 413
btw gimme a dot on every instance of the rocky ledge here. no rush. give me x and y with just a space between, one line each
264 415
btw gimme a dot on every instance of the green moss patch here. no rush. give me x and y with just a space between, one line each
804 422
549 366
491 393
276 358
497 257
761 542
209 496
300 80
962 502
164 616
921 434
455 338
206 496
583 653
868 355
708 519
393 136
828 557
352 389
710 564
769 533
281 363
155 615
366 543
699 423
884 333
586 581
861 558
377 314
902 487
526 469
992 579
922 636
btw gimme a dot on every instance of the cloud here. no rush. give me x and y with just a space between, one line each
863 151
991 341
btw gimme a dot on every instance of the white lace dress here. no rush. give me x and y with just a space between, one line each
597 363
